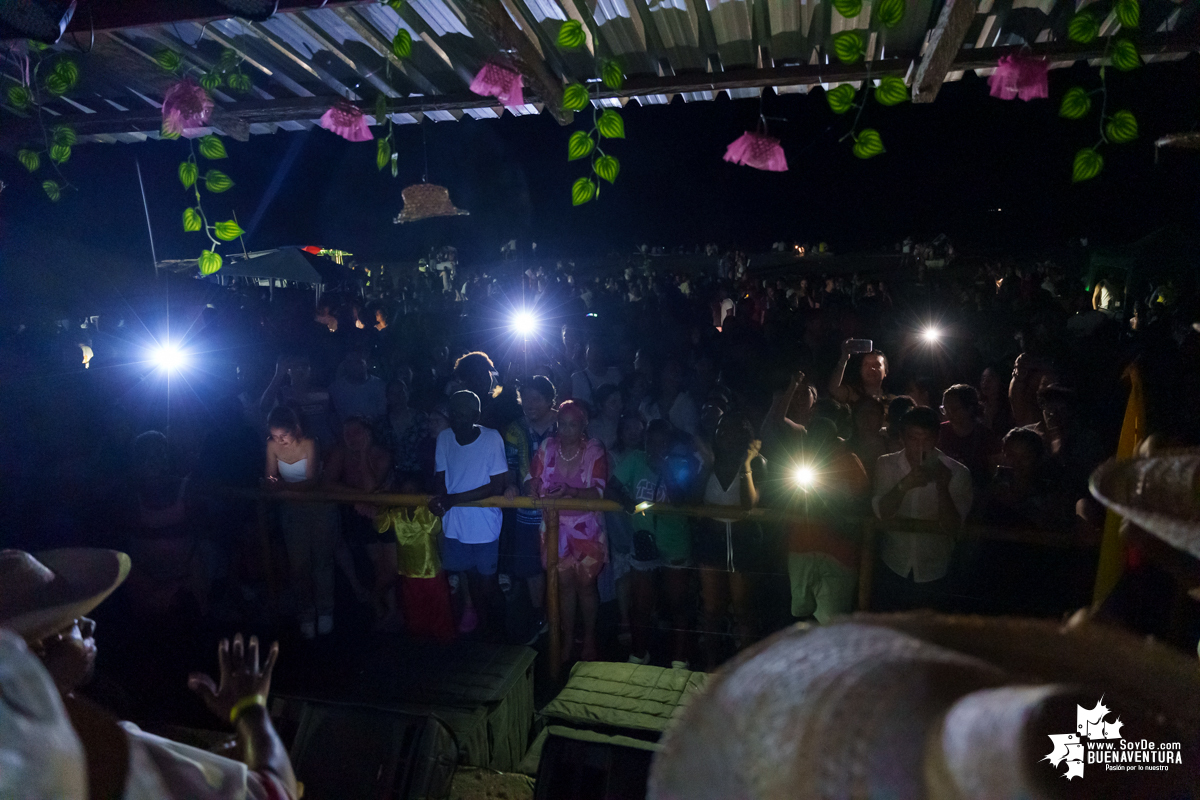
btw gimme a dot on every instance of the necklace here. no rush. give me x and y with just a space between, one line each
563 456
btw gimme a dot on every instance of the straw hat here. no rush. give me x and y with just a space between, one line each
42 594
426 200
1160 494
927 706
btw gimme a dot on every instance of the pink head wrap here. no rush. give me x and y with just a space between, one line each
573 409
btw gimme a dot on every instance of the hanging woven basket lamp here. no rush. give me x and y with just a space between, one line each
425 201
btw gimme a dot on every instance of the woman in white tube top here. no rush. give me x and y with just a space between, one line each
309 530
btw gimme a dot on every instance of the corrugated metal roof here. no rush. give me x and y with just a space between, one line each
302 61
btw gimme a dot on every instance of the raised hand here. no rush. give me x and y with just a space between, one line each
240 677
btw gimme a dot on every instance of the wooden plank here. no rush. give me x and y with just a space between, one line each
944 44
553 609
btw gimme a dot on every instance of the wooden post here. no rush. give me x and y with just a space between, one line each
866 564
264 549
550 516
945 42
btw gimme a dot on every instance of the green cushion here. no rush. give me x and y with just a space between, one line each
631 696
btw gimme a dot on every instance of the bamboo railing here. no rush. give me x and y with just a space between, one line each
870 526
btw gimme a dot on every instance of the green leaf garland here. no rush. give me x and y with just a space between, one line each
1088 164
64 135
168 60
18 96
188 173
402 44
29 160
1082 28
68 71
227 231
841 98
582 191
570 36
210 262
192 221
1075 103
211 147
216 181
848 47
1125 55
612 76
891 91
868 143
56 84
607 167
1121 127
1129 13
580 145
610 125
848 8
890 12
575 97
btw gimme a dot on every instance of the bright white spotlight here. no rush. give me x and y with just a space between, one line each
169 357
932 334
804 477
524 323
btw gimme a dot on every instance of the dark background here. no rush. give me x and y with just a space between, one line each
994 175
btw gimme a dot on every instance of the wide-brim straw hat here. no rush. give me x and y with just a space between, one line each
928 706
42 594
1159 494
427 200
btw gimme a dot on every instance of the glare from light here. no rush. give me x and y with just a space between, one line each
931 334
524 323
804 477
170 358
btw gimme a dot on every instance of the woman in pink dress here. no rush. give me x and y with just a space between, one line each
571 466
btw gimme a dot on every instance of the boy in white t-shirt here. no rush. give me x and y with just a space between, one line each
470 465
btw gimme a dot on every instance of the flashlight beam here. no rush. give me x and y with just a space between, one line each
169 357
524 323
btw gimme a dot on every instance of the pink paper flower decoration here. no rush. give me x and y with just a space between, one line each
347 121
186 107
757 150
1018 76
499 82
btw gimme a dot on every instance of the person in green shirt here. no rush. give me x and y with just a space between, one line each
662 544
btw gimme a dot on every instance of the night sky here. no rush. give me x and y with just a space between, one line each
949 166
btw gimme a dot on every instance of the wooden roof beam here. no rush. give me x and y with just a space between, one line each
141 119
945 41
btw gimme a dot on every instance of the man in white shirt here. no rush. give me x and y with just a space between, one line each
921 483
470 465
585 382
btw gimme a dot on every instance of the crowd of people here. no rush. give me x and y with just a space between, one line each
971 398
